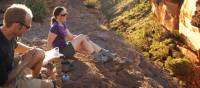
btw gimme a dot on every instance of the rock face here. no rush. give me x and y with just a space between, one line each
167 12
189 22
182 15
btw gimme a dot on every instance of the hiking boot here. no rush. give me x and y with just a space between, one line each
103 56
66 66
109 54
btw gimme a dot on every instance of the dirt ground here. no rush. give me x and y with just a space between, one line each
135 72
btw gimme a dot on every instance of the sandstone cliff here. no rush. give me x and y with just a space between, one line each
181 15
189 21
167 12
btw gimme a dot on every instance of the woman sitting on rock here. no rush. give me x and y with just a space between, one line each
68 43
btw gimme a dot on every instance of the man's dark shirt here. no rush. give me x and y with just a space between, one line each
6 57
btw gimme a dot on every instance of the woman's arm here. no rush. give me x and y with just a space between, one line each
51 38
69 36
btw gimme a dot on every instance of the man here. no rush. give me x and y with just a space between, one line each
17 20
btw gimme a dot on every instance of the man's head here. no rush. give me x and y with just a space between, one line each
18 17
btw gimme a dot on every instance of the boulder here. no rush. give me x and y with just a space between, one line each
167 12
189 22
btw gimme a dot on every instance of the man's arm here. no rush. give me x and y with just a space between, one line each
21 48
15 72
26 60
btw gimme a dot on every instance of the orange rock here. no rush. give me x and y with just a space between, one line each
185 27
189 54
182 15
167 13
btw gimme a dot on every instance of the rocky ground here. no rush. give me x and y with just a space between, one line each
135 72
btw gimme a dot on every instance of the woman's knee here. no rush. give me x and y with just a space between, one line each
82 36
78 40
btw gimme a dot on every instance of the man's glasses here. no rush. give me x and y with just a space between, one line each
28 27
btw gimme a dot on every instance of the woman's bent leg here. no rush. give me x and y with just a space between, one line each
81 42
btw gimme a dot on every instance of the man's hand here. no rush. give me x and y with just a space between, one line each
29 55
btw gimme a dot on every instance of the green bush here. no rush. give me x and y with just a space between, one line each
181 68
90 3
38 8
147 55
170 42
139 39
159 50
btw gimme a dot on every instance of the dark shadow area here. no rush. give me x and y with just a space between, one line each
80 70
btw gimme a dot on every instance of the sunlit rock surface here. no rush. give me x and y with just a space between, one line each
167 12
189 22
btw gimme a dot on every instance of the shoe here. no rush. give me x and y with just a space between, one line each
109 54
103 56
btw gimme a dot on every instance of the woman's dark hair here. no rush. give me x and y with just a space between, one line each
56 12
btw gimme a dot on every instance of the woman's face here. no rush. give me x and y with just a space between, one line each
63 16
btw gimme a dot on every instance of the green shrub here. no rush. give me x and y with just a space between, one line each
176 36
147 55
170 42
38 8
159 50
181 68
90 3
139 39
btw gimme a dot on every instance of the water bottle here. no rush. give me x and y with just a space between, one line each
65 77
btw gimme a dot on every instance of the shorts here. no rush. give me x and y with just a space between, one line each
23 81
68 51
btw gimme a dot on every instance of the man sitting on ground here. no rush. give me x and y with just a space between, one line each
17 20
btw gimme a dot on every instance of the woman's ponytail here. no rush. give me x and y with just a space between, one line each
53 20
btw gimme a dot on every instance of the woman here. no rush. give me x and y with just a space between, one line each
68 43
